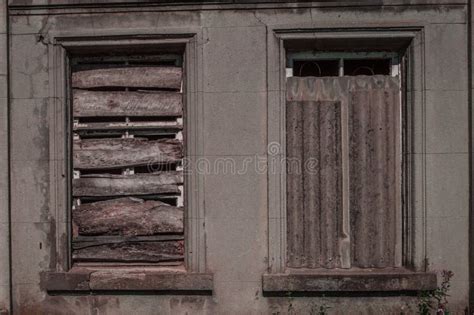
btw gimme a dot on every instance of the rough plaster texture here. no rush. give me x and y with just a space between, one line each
4 218
471 131
235 100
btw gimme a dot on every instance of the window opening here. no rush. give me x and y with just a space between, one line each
331 64
123 210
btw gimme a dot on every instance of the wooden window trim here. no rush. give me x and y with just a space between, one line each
194 277
408 40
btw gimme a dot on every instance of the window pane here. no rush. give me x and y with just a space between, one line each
366 66
316 68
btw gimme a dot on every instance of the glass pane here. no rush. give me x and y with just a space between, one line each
316 68
366 66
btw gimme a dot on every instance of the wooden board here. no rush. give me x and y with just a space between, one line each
82 241
131 252
122 153
123 185
132 104
160 127
127 217
127 102
139 132
137 77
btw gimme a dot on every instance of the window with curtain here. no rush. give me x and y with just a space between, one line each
343 148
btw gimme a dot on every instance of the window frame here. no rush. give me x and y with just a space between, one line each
408 40
63 276
394 71
395 68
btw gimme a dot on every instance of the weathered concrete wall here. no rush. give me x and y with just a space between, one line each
4 217
471 95
234 94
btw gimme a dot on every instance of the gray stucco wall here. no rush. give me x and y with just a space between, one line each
4 217
235 97
471 243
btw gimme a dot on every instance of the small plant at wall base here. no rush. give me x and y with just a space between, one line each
436 301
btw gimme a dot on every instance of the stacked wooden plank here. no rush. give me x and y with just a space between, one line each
127 156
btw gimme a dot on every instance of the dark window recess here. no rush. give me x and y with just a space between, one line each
155 168
127 151
90 63
354 67
316 68
152 118
101 119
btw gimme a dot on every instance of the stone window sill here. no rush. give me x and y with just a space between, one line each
395 280
85 280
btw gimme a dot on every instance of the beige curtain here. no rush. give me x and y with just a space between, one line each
343 172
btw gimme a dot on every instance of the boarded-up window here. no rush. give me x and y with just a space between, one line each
343 172
127 157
